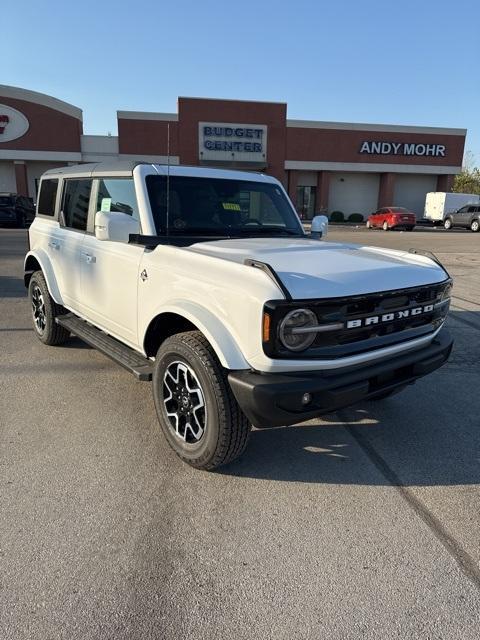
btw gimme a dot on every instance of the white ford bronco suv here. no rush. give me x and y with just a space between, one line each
204 281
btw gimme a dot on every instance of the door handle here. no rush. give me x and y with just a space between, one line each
89 259
53 244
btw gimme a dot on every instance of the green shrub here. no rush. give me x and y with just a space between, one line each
355 217
337 216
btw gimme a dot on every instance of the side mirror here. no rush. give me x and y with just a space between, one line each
115 226
319 227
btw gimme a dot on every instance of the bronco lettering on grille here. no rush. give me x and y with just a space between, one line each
389 317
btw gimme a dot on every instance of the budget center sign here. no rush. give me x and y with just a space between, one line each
232 142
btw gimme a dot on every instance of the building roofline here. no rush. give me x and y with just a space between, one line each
283 104
45 100
146 115
362 126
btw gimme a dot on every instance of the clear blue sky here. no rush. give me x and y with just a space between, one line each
407 62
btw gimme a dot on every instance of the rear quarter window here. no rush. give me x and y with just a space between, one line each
47 197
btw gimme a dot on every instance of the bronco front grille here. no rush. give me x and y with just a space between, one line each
367 321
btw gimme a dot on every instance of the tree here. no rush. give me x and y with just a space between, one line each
468 181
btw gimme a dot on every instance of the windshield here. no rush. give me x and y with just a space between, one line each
218 207
6 201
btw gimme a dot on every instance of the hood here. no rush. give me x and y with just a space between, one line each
319 269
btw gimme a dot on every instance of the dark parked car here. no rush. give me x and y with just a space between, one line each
16 210
392 218
467 216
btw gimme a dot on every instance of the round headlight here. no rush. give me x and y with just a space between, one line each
293 331
447 292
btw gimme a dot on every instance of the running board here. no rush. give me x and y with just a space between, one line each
141 367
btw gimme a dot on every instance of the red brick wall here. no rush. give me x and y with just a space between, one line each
191 111
147 137
339 145
49 130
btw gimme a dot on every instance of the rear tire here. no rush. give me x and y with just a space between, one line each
447 223
475 226
44 312
409 228
196 408
368 225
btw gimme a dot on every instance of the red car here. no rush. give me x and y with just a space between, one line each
392 218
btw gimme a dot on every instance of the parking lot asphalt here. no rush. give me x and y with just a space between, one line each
363 524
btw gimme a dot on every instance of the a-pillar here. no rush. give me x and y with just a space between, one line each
21 177
444 183
386 190
323 187
292 186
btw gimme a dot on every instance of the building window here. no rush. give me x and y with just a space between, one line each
306 202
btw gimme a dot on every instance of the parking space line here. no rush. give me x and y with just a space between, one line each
463 559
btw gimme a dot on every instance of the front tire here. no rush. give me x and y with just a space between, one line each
475 226
385 226
196 408
44 312
368 225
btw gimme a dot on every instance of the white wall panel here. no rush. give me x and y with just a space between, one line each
353 193
7 177
410 191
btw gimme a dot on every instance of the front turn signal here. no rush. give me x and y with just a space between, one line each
266 327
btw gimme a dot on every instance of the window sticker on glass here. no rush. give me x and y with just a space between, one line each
106 204
231 206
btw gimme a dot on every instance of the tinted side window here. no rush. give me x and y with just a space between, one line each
47 197
76 197
117 194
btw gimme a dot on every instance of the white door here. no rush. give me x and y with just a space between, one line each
65 241
109 271
353 193
411 190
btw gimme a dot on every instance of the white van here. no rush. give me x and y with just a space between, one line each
439 204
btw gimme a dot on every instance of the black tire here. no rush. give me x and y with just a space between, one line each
368 225
385 226
448 223
475 226
409 228
225 428
21 222
52 333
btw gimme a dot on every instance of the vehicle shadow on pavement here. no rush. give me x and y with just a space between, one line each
11 287
339 450
75 343
426 435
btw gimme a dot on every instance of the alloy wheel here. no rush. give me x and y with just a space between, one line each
38 309
184 402
475 226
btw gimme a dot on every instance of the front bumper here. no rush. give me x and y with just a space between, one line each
271 400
